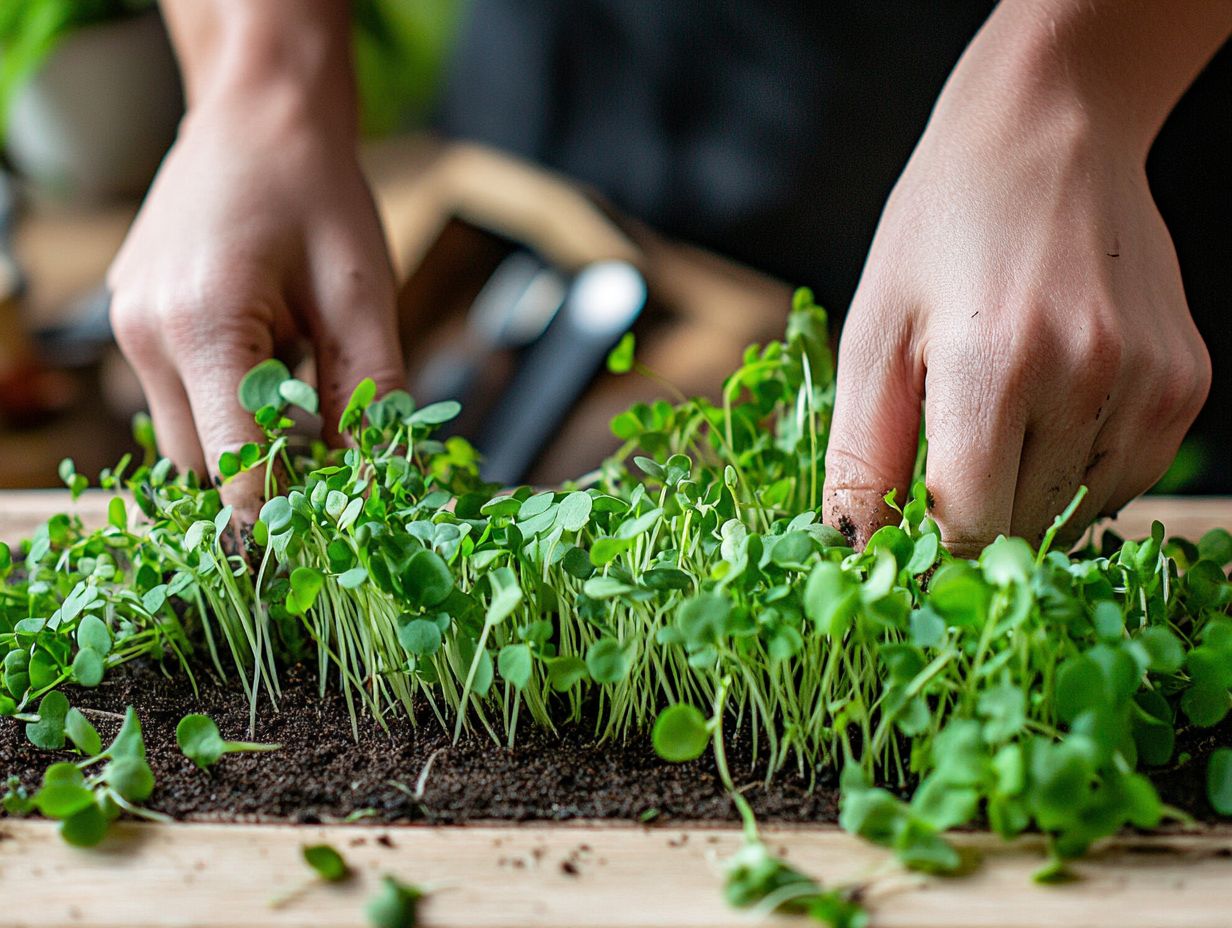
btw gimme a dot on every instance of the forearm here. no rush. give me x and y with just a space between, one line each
1118 65
279 56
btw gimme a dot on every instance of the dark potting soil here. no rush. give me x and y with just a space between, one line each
322 773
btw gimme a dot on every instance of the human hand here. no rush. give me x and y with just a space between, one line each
1023 290
259 228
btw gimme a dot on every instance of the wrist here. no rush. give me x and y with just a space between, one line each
1111 69
262 63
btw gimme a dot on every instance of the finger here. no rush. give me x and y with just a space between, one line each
1142 471
354 336
212 360
141 341
1053 471
874 435
975 429
1164 413
1067 446
174 428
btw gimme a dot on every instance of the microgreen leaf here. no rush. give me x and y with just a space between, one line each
607 661
361 398
88 668
85 828
79 731
92 633
620 358
131 777
435 413
420 637
306 584
428 580
47 733
680 733
200 741
395 904
300 394
514 664
1219 781
326 861
128 741
261 385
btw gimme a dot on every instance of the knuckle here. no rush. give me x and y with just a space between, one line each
1181 391
134 328
1101 350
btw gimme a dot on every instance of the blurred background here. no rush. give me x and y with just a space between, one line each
746 155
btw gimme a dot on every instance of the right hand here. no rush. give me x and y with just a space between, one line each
259 227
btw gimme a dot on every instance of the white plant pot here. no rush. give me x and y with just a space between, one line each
97 119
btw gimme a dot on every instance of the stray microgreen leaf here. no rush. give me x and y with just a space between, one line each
200 741
395 904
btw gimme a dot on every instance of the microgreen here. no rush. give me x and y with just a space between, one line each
755 878
1030 688
395 904
199 741
1219 781
680 733
326 861
86 796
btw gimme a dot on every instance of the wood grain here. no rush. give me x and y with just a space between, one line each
578 877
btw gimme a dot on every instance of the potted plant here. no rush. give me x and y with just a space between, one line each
89 94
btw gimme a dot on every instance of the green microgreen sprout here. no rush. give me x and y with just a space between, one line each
1030 688
87 795
200 741
326 861
395 905
1219 781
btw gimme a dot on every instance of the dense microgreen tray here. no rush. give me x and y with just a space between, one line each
687 584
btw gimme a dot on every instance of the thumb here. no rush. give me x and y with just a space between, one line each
874 434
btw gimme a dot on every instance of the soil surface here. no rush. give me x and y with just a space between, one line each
323 774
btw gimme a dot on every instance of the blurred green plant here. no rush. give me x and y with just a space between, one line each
30 30
400 49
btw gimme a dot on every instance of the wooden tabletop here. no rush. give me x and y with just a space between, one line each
583 875
579 876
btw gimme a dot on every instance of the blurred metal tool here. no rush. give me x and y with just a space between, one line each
602 303
85 335
515 306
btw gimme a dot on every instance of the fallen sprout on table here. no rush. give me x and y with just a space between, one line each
1028 689
84 797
